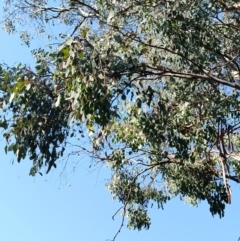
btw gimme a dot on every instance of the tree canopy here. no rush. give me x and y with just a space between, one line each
152 85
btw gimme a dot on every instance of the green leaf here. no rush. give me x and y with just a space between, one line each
11 97
33 171
4 124
58 101
118 38
111 15
123 97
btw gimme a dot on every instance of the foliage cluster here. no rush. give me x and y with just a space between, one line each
155 85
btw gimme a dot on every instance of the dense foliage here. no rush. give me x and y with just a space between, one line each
154 85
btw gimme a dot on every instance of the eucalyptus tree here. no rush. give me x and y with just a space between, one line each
153 85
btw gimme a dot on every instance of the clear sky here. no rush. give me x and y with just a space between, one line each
48 209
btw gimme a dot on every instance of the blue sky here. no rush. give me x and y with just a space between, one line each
47 209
